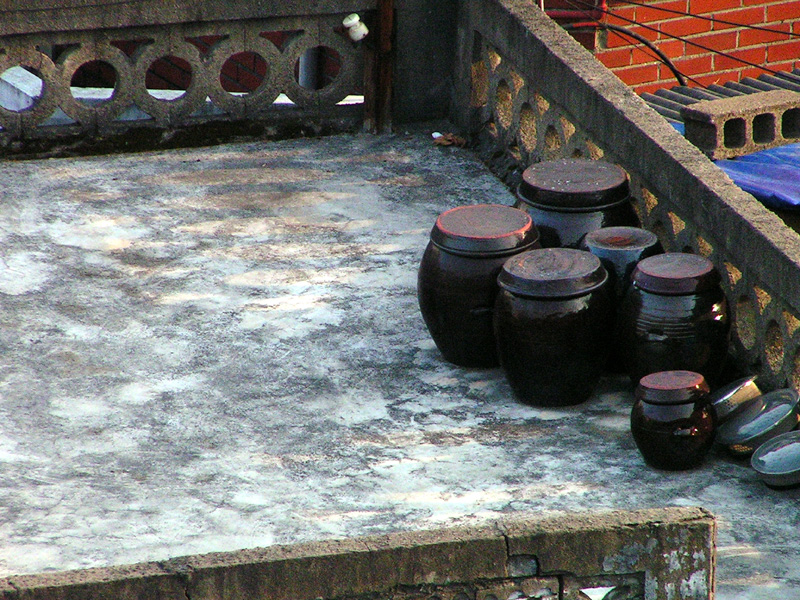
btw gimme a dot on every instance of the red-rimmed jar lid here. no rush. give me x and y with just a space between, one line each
620 239
672 387
483 229
574 184
676 273
552 273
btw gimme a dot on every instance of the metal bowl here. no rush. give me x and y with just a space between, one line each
777 461
734 397
764 418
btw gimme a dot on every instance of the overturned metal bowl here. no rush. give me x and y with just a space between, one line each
764 418
729 400
777 462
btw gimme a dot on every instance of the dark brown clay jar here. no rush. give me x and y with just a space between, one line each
457 278
551 320
568 198
674 317
672 421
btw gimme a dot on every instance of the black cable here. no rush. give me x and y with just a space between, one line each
680 77
664 58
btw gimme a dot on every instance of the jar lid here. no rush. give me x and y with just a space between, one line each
676 273
484 228
620 238
552 273
672 387
574 183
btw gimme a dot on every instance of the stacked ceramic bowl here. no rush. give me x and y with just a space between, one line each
761 426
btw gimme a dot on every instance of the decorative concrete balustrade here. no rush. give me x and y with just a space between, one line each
226 66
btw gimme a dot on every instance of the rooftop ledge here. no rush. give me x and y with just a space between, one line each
218 349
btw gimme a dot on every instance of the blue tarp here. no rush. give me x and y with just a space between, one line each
772 176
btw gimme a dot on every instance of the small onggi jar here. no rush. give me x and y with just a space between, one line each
674 316
552 321
672 421
568 198
457 278
620 249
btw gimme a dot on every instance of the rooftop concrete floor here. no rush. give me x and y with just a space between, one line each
220 348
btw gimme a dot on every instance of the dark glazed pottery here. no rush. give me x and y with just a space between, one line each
552 325
620 249
672 421
568 198
674 316
457 278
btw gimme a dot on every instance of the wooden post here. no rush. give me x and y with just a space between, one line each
370 124
385 54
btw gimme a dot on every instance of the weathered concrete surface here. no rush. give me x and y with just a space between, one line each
216 349
662 553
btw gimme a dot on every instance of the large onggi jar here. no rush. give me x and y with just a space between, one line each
552 322
674 317
457 278
568 198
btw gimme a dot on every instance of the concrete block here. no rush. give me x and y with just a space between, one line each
731 127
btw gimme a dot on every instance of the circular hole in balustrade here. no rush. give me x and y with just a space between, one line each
317 68
504 104
527 127
773 347
795 376
168 78
551 138
243 73
93 82
745 319
24 87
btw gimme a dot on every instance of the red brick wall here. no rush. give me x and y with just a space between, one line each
637 66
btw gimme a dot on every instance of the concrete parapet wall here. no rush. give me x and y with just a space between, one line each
731 127
529 92
663 553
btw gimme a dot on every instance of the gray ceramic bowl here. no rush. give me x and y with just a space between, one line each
766 417
734 397
777 461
